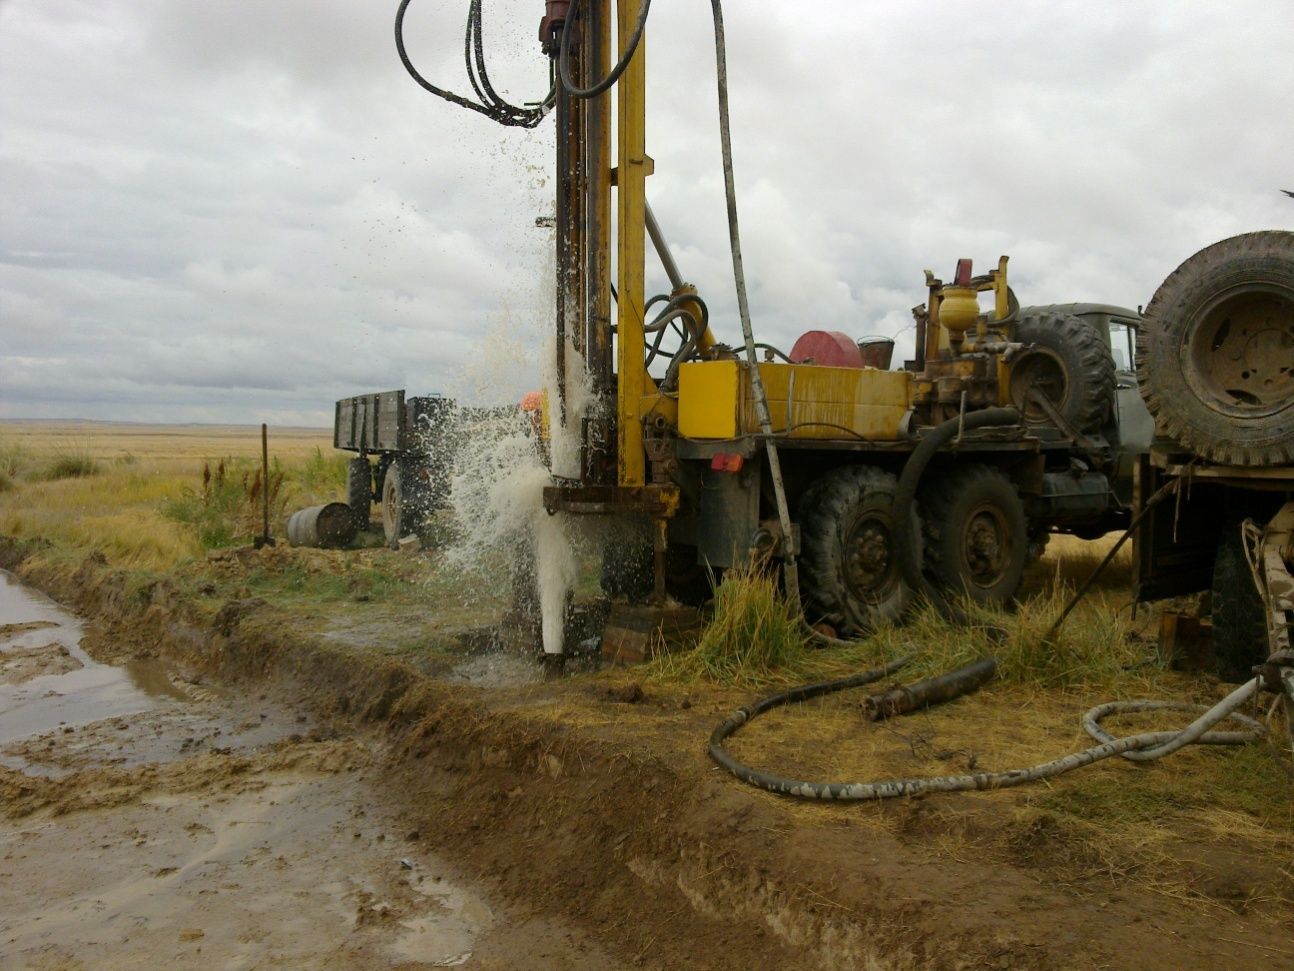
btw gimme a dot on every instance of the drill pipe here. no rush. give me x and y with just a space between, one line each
931 691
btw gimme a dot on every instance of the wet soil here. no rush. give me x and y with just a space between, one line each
147 820
586 817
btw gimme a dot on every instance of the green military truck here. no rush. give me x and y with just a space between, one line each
1215 365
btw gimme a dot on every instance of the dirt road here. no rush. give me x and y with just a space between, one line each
148 821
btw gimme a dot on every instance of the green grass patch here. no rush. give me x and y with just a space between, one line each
323 474
755 637
227 509
297 581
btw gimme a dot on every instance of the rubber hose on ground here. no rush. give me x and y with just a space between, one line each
1145 745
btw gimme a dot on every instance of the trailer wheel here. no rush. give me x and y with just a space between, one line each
1215 354
976 534
1239 622
850 574
404 500
359 489
1069 362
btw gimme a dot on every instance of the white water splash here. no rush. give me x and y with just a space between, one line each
498 483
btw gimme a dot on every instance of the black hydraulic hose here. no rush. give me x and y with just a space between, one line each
775 351
825 790
905 495
490 105
1139 747
564 55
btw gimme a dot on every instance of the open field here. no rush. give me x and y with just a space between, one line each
591 797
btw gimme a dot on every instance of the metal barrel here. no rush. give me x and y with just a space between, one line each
878 352
331 525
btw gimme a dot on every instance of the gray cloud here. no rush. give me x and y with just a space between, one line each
239 212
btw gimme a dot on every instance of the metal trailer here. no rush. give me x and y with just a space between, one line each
404 452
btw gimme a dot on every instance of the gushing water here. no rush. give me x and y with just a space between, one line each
497 492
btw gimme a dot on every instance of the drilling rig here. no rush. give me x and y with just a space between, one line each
870 486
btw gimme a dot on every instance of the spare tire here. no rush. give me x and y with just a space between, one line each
1215 354
1068 360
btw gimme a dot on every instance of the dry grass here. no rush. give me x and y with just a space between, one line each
140 472
1097 827
753 636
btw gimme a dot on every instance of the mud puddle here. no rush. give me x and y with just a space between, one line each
150 820
48 683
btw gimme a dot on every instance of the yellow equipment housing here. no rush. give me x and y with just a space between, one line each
806 401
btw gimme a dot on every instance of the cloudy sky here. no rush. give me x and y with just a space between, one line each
238 211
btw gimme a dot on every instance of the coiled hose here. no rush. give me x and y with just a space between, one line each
1140 747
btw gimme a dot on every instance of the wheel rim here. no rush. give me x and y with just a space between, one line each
870 566
391 505
1039 370
985 546
1240 352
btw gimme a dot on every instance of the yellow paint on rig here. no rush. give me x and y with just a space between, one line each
631 177
804 401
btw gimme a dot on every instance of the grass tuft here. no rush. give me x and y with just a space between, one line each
71 465
1094 646
15 462
753 636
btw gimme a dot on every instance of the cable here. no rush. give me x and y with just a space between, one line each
1147 745
790 572
564 55
490 104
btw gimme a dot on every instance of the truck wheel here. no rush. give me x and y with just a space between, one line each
404 501
359 489
976 535
1069 362
850 575
1239 622
1215 354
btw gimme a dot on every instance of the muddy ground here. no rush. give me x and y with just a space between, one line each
150 820
572 824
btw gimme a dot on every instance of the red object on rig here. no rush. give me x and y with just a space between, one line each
726 462
554 16
827 347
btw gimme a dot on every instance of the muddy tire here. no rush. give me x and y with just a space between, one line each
359 489
1239 624
405 501
1215 354
1069 361
976 534
849 574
